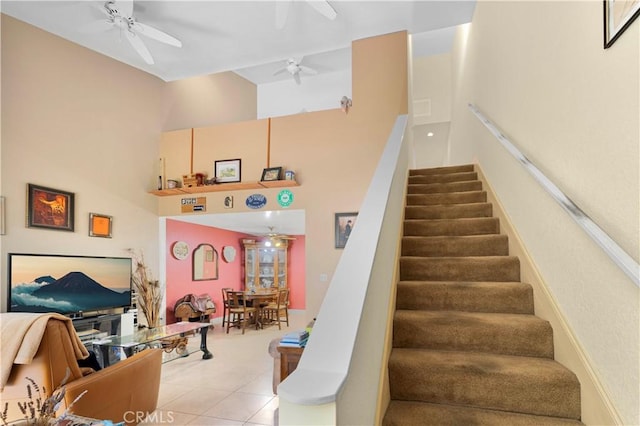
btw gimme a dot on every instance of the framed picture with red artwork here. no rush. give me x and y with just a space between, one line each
50 208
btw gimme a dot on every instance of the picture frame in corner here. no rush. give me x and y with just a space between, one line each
618 16
271 174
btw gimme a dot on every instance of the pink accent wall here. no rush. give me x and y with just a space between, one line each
297 287
179 272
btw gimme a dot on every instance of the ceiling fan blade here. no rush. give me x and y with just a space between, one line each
96 26
139 46
280 71
307 70
282 10
161 36
296 77
124 7
324 8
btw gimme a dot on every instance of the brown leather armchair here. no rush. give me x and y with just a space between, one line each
122 392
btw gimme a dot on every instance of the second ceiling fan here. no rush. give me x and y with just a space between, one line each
295 68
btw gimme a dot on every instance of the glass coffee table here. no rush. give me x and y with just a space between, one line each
169 337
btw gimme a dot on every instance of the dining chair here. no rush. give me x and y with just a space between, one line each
239 313
278 311
225 305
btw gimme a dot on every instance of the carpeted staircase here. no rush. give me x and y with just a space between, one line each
467 348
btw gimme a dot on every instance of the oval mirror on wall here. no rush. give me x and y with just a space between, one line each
205 263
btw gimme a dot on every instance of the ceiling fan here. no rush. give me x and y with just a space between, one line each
275 237
294 68
282 10
120 15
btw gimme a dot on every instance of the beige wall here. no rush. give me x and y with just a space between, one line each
333 154
539 71
208 100
432 83
78 121
432 97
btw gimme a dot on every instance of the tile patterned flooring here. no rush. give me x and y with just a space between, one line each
231 389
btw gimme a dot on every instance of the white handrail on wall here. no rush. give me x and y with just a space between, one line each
604 241
337 380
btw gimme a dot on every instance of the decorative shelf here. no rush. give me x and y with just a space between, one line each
234 186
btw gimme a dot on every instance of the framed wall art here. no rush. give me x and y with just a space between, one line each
271 173
50 208
618 15
227 170
344 224
100 225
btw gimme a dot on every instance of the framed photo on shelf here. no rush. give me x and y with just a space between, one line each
50 208
227 170
344 224
100 225
618 15
271 173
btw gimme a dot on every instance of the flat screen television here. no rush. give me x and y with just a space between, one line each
69 285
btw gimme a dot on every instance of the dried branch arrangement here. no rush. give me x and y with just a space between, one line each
148 290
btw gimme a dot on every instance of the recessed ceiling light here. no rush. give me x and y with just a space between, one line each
430 134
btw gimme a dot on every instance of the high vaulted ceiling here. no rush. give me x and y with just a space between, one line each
242 36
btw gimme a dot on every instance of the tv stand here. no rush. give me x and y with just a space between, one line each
94 327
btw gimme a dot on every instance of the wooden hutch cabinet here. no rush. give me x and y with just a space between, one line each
265 264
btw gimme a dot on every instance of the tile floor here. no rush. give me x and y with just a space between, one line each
232 388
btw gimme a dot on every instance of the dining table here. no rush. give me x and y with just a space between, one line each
260 299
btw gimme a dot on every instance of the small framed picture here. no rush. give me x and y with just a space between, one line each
228 202
100 225
50 208
343 226
271 173
618 15
227 170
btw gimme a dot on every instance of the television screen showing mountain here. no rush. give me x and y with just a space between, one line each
68 284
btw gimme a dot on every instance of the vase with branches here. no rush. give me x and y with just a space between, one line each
149 293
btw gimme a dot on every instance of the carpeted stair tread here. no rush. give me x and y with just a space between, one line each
405 413
443 178
449 211
433 188
453 227
471 245
472 268
467 348
442 170
506 334
465 197
498 297
527 385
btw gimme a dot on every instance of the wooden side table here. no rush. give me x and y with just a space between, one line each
289 358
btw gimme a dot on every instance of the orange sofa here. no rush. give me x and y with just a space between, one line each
123 392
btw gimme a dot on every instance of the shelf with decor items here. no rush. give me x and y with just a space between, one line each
224 187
